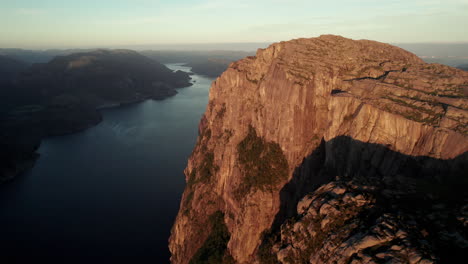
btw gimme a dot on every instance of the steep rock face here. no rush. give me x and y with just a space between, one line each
274 129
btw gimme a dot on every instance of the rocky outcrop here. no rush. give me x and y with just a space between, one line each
281 124
370 217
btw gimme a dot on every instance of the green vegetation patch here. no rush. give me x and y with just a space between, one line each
416 115
214 250
265 255
221 112
205 170
227 134
263 164
207 167
187 204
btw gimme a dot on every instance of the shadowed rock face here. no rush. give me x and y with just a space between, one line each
361 110
382 206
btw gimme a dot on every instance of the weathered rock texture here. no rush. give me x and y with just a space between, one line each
281 124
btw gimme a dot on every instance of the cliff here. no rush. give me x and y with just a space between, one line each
314 149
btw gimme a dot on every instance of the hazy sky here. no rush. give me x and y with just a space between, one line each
90 23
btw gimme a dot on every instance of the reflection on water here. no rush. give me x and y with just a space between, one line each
111 191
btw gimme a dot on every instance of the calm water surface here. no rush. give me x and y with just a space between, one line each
111 193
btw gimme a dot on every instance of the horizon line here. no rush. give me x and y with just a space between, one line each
128 46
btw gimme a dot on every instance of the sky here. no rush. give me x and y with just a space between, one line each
113 23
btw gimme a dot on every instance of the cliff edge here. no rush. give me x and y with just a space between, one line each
328 149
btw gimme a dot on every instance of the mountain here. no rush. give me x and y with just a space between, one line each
10 68
102 76
208 63
463 67
210 67
38 56
63 95
451 54
328 150
436 49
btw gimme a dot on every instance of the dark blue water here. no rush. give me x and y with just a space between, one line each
109 194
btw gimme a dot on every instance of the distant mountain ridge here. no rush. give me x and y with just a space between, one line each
436 49
10 68
112 75
208 63
463 67
38 56
205 62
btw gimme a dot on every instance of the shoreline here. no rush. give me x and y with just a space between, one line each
19 164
